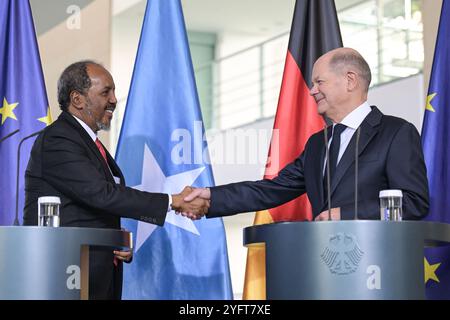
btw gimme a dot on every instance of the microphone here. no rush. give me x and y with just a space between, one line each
358 132
327 173
16 219
9 135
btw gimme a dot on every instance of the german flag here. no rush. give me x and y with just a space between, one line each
314 31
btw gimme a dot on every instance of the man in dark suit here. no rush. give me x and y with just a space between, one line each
68 161
390 155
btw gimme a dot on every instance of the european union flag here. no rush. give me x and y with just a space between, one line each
23 99
162 149
436 146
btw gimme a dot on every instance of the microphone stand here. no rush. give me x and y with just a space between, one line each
358 133
9 135
16 219
328 175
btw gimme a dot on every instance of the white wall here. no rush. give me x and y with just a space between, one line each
404 98
240 79
76 38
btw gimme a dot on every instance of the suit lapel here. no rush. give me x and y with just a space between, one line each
115 168
369 128
90 144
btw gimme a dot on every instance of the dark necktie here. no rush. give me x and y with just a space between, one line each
334 153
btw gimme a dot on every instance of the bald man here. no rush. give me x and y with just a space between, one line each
390 155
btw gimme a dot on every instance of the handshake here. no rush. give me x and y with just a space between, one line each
192 202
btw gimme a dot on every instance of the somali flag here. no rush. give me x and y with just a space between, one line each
161 149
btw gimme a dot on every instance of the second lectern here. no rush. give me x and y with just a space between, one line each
346 259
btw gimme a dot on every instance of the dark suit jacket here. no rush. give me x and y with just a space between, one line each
390 157
66 163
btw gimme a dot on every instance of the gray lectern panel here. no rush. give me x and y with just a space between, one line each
346 259
44 263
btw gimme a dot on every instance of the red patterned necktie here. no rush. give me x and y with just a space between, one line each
101 149
103 152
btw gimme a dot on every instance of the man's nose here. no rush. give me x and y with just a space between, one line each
313 90
113 99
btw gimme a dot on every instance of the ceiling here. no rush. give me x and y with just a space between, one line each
216 16
254 17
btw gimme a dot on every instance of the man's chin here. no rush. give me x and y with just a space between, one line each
104 126
322 107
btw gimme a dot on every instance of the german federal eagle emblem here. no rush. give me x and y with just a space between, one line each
342 255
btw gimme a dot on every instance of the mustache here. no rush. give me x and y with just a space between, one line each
111 107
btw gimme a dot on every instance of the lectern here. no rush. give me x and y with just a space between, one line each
358 259
51 263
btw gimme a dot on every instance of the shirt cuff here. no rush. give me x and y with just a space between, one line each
169 208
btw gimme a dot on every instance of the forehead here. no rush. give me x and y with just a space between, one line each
320 66
100 77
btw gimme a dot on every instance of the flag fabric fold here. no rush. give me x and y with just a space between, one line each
314 31
162 149
23 100
436 147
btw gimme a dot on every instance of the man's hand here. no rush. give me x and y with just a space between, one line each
194 209
125 256
335 215
194 195
203 193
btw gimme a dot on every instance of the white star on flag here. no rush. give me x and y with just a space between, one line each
154 180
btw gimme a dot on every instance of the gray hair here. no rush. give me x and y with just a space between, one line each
353 60
73 78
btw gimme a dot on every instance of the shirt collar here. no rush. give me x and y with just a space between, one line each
356 117
86 128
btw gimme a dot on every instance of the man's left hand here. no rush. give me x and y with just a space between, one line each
335 215
124 256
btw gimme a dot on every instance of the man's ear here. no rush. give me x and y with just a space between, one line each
352 81
77 100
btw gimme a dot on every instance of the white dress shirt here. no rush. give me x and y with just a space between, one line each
353 120
94 138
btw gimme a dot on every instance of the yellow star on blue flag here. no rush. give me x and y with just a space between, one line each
430 97
47 119
23 100
436 149
7 110
430 270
